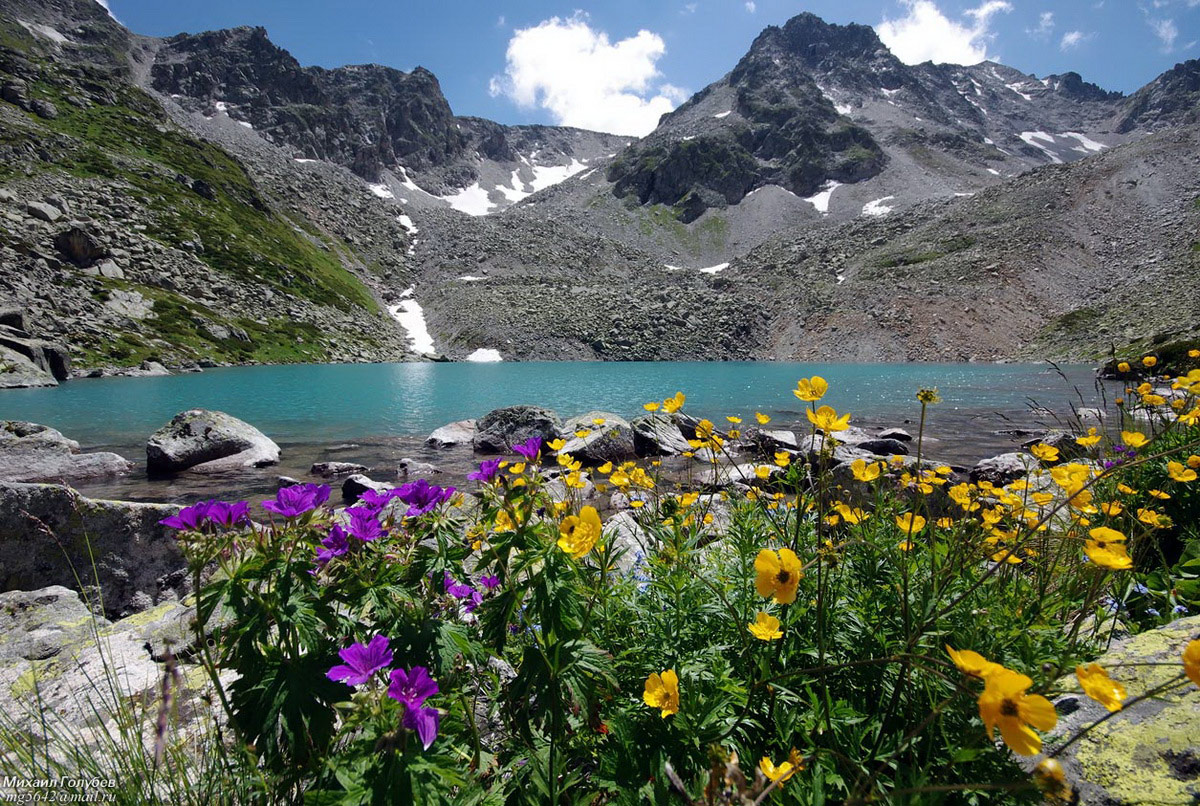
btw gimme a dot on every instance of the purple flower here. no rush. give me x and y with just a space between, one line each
490 582
363 661
376 500
189 518
456 589
364 525
228 515
424 721
530 448
487 471
293 501
412 687
422 497
335 545
473 601
1152 612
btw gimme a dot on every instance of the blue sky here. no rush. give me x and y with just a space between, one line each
617 65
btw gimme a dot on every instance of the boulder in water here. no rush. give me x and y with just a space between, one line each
204 440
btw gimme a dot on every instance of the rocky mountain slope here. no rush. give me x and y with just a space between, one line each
206 198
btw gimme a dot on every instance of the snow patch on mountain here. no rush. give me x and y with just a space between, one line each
821 199
877 207
412 318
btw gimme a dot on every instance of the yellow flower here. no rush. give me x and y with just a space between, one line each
785 770
1006 556
605 468
1005 704
1193 462
1112 508
579 533
1178 472
1123 366
909 523
517 468
783 459
1051 779
1153 518
972 663
1193 353
1107 549
1044 452
1125 489
582 432
827 419
734 420
929 396
674 404
851 515
653 406
1091 439
811 389
906 545
1133 439
762 418
662 691
556 444
575 480
1191 660
1100 687
778 574
763 472
765 627
598 421
1159 494
865 472
1149 362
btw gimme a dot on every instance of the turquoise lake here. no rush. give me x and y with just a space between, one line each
388 408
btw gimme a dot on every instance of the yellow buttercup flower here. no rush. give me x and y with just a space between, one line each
652 406
734 420
1091 439
785 770
1178 472
909 523
783 458
598 421
1149 362
662 691
765 627
929 396
674 404
1044 452
579 533
1153 518
1107 549
777 574
865 472
556 444
827 420
972 663
811 389
1100 687
605 468
1159 494
851 515
1004 704
1191 660
1193 353
762 418
1133 439
1123 366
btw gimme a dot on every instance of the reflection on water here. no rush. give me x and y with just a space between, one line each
385 410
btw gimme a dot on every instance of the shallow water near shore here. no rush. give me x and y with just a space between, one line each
374 414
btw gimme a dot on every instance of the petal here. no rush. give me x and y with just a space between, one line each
1021 739
1037 711
766 565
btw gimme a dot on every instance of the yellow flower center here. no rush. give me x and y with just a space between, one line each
1008 707
783 577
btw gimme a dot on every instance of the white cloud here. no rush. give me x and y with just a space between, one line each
573 71
1073 39
689 8
1045 26
750 6
1166 31
926 34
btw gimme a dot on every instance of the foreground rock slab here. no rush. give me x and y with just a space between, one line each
32 452
205 440
1149 752
500 429
52 535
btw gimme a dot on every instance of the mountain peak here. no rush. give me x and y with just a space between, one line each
814 41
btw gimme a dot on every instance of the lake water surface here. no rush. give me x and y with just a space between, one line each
385 410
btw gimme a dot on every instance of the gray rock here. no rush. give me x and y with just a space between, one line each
411 467
35 625
500 429
51 535
630 542
1004 469
111 270
767 443
358 484
883 447
718 476
205 440
32 452
80 247
46 212
46 356
154 368
658 435
456 433
331 470
895 433
611 442
1068 448
44 109
1147 752
18 372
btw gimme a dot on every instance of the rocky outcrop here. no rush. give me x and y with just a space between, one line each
204 441
451 434
1148 752
658 435
331 470
32 452
609 438
51 535
1004 469
499 430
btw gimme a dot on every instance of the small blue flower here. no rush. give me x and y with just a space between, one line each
1140 588
1180 609
1150 611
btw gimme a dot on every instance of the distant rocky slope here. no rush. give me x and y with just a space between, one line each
205 198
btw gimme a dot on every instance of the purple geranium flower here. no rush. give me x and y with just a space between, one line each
228 515
335 545
490 582
293 501
424 721
422 497
363 661
530 448
376 500
487 471
364 525
456 589
189 518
